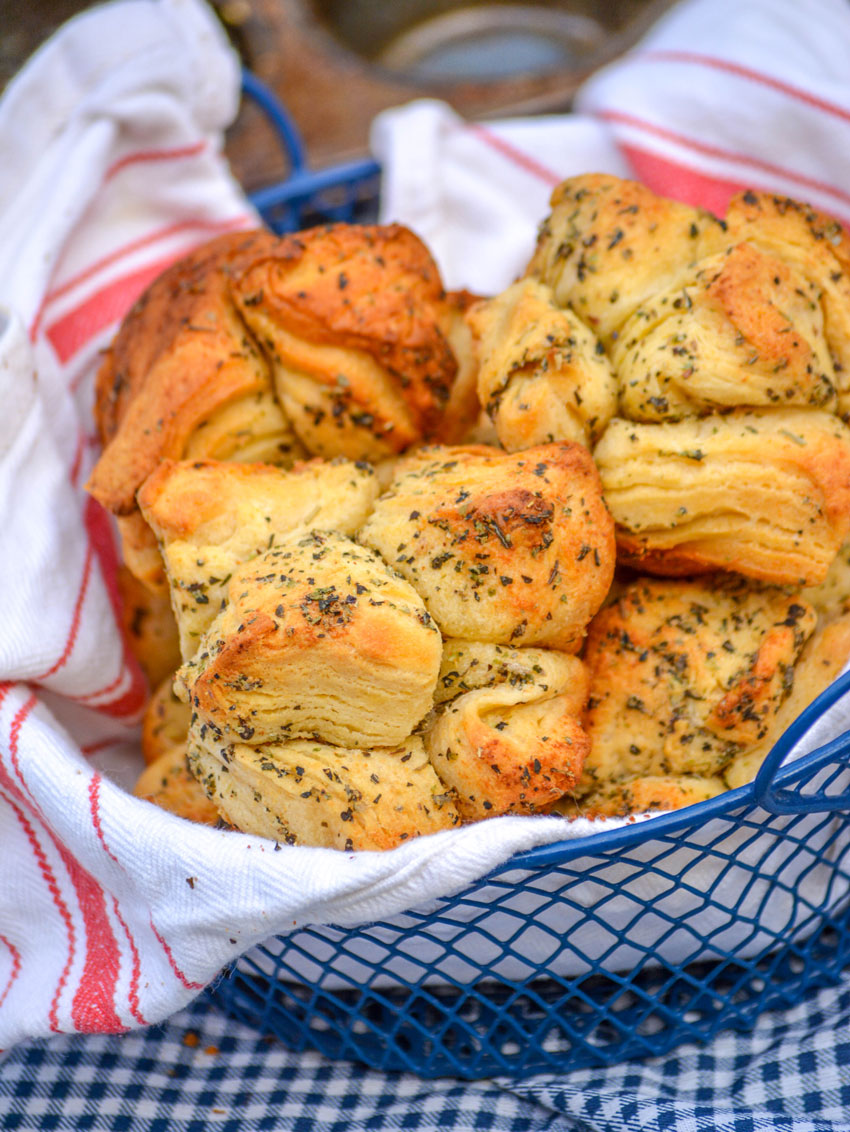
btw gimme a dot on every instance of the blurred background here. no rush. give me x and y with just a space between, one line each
337 63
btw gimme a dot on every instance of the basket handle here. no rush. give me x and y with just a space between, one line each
780 800
282 205
272 107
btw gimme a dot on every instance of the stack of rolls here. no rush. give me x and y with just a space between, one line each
729 343
387 517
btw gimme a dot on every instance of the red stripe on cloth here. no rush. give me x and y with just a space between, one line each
133 994
136 972
89 749
93 1004
94 809
171 230
16 967
148 155
670 179
14 797
725 155
15 734
186 983
128 704
101 539
694 58
514 155
74 630
77 462
8 790
110 687
76 329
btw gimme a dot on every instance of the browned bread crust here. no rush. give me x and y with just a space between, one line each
358 327
507 548
685 675
170 784
513 742
180 354
763 493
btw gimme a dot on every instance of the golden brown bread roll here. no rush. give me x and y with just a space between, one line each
169 784
357 325
502 548
515 743
744 329
821 661
609 244
765 494
211 516
318 638
817 247
303 792
180 357
165 723
685 675
642 795
150 627
542 374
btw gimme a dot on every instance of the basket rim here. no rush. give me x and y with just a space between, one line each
647 828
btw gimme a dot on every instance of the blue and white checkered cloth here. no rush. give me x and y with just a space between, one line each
201 1072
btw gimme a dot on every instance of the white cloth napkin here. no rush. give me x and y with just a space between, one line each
112 913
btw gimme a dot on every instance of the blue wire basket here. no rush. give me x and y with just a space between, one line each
619 945
344 193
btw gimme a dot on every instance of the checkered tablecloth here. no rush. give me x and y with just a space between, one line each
201 1072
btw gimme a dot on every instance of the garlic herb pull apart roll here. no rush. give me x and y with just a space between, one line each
165 723
310 793
318 638
209 517
509 737
149 627
765 494
824 656
359 331
181 377
817 248
542 374
832 597
686 675
608 245
512 549
746 329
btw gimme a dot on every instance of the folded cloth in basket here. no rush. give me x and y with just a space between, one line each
113 914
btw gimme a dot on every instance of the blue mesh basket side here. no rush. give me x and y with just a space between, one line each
612 947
